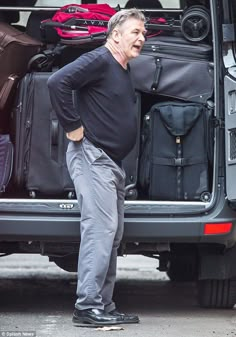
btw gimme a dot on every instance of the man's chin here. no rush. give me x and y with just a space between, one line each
135 54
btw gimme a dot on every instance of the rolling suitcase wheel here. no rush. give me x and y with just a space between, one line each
37 62
196 23
131 194
71 195
32 194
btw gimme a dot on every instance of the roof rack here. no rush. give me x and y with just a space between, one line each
45 8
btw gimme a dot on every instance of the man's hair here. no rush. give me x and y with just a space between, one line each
122 16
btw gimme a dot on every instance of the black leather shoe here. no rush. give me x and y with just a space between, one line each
126 318
95 317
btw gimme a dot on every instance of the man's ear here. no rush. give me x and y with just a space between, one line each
116 35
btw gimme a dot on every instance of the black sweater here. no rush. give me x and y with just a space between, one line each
105 101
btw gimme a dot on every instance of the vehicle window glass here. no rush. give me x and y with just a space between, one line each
54 3
113 3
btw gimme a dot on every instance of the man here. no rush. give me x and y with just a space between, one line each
102 131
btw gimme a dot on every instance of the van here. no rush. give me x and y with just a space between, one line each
193 239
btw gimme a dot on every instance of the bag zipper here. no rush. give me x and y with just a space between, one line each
176 51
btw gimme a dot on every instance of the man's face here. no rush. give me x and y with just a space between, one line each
131 37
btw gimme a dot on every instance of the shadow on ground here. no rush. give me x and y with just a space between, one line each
40 293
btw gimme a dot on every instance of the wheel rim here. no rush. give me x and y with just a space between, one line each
195 25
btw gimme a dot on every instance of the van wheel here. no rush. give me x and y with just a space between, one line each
182 269
220 294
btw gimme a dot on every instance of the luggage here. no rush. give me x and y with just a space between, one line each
173 67
194 24
176 152
80 23
72 31
89 22
6 161
16 50
40 143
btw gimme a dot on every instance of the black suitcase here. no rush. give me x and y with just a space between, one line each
172 66
176 152
40 143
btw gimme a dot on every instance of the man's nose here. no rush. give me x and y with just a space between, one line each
141 37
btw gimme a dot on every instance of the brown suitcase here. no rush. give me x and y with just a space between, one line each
16 49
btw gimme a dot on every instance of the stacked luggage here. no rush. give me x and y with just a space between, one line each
16 50
176 141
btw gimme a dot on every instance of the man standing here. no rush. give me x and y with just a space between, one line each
102 130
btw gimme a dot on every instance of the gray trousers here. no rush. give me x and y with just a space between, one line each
99 183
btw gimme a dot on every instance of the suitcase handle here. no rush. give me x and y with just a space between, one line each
54 132
7 90
55 140
156 75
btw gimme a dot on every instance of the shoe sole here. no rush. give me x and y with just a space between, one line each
89 323
96 325
86 325
131 322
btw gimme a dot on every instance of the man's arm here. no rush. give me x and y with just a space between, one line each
61 84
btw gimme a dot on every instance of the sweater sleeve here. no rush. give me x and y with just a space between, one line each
81 72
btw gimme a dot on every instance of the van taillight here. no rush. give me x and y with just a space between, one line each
217 228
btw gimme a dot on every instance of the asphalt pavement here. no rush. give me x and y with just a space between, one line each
37 299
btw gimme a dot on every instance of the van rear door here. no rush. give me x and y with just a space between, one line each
229 51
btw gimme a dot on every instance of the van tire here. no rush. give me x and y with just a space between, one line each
218 294
182 269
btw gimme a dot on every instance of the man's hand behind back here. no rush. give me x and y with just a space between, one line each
76 135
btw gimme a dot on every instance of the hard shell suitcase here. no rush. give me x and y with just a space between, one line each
171 66
16 50
176 152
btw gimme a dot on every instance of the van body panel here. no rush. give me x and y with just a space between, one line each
230 136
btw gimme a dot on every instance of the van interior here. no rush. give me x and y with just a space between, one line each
186 20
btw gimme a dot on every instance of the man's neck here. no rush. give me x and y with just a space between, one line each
117 54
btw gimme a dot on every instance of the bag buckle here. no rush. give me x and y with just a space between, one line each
179 161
